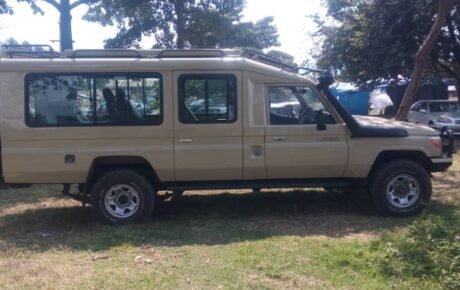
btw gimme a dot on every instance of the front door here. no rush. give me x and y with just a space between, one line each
294 145
208 127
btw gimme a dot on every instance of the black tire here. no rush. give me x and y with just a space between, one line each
123 196
390 184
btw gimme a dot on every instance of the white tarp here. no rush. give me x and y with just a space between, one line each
379 100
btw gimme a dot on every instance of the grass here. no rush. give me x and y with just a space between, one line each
212 240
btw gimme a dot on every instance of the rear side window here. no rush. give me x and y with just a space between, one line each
207 99
93 99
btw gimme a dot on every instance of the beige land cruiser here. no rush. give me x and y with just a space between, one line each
125 124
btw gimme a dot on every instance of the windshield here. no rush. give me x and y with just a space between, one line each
444 107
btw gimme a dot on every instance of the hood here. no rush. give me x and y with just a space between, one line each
453 115
411 128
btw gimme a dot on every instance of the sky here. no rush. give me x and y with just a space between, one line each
290 18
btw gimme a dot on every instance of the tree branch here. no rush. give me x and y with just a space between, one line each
444 7
445 65
54 3
453 39
79 2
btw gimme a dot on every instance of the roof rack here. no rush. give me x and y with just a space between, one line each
152 53
30 51
267 59
46 51
103 53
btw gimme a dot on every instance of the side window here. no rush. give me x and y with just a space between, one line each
296 105
416 108
79 100
207 99
424 106
59 100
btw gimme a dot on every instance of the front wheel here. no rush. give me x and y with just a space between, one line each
400 188
123 196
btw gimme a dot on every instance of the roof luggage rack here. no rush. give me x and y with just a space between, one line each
267 59
46 51
103 53
30 51
152 53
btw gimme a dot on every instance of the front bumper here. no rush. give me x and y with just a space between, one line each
441 164
448 142
454 128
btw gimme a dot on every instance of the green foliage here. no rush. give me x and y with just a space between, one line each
12 41
182 23
5 8
283 56
430 251
372 39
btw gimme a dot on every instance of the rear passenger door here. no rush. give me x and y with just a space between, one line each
208 126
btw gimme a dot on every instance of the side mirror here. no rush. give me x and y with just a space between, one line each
320 123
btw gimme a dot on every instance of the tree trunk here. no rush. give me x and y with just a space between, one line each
421 57
457 88
180 24
65 25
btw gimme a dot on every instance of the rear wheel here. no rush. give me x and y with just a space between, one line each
400 188
123 196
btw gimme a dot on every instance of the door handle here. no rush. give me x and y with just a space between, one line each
185 140
329 139
279 138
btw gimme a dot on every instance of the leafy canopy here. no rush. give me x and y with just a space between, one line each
182 23
372 39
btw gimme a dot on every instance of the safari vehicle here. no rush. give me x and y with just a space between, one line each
254 123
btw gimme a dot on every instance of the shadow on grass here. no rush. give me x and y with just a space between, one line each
211 219
18 196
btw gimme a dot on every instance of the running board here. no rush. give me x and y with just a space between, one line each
242 184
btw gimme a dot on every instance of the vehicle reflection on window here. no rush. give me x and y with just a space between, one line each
73 100
296 105
207 98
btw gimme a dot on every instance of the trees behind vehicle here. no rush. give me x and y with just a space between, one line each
173 24
182 24
374 39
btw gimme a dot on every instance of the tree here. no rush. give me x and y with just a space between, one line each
12 41
284 57
5 8
422 55
182 23
64 7
373 39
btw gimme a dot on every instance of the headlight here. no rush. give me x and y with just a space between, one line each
445 120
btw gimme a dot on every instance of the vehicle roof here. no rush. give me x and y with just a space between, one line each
143 64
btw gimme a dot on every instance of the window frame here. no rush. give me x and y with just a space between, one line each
207 76
88 75
325 104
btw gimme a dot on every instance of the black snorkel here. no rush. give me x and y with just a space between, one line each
325 80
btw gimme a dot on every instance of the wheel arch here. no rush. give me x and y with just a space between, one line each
416 156
103 164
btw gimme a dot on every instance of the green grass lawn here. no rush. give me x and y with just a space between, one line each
302 239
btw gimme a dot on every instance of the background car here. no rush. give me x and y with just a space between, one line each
437 114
